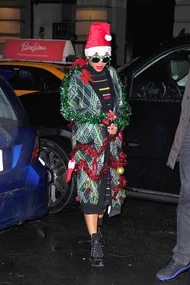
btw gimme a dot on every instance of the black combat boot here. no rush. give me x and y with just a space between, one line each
97 256
100 224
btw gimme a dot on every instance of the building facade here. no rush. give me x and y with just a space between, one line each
182 17
54 19
15 18
73 20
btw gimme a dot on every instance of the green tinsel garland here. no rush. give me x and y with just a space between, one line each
69 115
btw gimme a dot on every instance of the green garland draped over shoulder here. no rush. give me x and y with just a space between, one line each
69 115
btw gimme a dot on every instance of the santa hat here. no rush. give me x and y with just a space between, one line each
98 39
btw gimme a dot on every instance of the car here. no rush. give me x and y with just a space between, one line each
37 84
28 77
23 178
154 84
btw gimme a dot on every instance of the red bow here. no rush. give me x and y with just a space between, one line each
79 61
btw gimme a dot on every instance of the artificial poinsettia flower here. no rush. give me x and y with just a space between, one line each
111 115
85 76
106 122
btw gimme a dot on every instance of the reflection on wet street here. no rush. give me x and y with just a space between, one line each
55 249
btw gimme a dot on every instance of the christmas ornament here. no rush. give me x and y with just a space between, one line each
77 198
71 166
120 170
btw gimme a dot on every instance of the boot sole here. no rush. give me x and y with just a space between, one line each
182 270
102 265
97 265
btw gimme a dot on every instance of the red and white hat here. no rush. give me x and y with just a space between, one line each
98 39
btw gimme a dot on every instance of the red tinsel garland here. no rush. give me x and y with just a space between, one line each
83 164
93 153
122 183
88 149
118 163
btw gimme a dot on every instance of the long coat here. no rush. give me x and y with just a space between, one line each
82 98
182 127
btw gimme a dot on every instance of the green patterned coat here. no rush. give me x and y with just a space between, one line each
82 99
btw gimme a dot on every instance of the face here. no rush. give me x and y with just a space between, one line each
99 62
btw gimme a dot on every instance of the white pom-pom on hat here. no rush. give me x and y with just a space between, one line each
108 38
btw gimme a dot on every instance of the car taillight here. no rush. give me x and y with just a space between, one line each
36 150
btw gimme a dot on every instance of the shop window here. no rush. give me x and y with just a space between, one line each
10 25
85 16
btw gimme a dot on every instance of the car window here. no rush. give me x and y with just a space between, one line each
163 79
21 77
51 82
180 62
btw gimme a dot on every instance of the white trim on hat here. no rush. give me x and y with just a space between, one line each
101 50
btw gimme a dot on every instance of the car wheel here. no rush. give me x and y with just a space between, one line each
54 152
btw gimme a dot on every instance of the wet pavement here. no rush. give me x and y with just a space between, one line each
55 249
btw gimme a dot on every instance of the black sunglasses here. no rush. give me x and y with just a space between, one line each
96 58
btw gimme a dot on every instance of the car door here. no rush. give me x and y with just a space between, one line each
155 94
17 140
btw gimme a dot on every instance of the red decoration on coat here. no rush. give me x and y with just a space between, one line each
111 115
89 150
71 124
122 183
71 167
89 191
94 166
83 165
79 61
121 198
120 136
122 155
85 77
77 198
106 122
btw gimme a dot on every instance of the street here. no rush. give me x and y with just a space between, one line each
55 249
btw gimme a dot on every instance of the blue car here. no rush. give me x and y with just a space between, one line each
23 178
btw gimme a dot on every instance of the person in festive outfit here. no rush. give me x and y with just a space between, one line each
92 99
